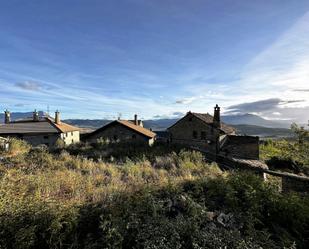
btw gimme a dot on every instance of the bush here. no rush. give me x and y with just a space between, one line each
161 199
17 146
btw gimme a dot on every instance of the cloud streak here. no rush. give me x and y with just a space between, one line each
30 86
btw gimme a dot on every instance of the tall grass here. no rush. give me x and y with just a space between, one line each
146 198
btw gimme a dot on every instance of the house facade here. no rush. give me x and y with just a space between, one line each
199 130
40 130
130 131
208 133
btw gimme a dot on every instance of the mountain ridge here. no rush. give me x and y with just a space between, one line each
246 124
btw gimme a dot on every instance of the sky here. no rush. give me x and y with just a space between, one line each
158 58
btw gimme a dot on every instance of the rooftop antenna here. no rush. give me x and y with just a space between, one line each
119 115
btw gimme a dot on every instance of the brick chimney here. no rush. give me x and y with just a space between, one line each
57 117
35 115
135 119
7 117
216 120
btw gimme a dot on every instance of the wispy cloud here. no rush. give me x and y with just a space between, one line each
186 100
301 90
30 86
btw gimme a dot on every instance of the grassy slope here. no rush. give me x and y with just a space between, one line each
140 198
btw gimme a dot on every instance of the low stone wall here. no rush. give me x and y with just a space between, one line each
289 182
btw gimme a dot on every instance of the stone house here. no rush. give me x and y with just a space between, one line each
208 133
40 130
123 131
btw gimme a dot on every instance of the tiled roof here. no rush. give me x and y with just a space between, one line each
63 127
139 129
27 126
128 124
207 118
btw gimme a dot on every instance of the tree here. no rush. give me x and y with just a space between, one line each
300 133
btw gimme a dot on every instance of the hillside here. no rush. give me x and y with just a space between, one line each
137 197
254 130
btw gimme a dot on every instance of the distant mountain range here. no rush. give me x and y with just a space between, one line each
19 115
245 124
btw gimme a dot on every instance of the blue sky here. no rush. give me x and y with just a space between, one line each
95 59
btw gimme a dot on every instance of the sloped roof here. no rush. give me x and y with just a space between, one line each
128 124
28 126
137 128
208 119
63 127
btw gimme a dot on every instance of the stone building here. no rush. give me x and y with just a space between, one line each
123 131
208 133
246 147
39 130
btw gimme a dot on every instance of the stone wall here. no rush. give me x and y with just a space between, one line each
118 132
240 147
38 139
182 133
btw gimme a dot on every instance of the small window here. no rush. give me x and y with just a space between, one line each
115 137
203 135
45 137
194 134
190 119
133 136
71 133
72 141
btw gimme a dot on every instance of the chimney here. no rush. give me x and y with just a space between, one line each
216 120
35 116
135 120
57 117
7 117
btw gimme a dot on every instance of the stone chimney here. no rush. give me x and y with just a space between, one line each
216 120
7 117
35 115
57 117
135 119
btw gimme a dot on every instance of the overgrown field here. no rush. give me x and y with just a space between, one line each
119 196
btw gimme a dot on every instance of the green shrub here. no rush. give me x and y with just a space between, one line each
150 198
17 146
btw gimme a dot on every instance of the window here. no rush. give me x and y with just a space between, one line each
115 137
45 137
194 134
133 136
71 133
190 119
72 141
203 135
